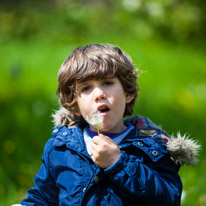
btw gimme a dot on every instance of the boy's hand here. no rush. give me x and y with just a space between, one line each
104 151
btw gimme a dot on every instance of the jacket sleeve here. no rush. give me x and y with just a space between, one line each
45 192
136 181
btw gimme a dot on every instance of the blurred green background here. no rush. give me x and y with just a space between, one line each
165 38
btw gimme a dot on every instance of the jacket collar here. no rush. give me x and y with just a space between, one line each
182 149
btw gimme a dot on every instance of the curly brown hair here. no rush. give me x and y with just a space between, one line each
95 61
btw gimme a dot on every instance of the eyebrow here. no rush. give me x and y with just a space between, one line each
81 84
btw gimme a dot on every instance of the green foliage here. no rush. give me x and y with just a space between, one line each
70 21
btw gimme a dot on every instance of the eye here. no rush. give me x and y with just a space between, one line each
108 83
85 89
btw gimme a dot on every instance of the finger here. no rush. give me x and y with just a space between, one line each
105 138
99 139
93 147
96 140
102 139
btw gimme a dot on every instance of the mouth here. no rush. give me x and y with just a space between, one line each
103 109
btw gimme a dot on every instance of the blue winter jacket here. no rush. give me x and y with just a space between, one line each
144 174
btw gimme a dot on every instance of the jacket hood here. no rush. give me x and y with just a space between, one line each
183 150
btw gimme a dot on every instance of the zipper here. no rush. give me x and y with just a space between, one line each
84 190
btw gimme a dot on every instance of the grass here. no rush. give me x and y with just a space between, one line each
194 185
172 93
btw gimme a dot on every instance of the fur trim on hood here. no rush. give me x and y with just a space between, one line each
62 117
182 149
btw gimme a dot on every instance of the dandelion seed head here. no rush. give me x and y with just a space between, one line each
95 118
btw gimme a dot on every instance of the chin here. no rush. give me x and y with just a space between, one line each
105 129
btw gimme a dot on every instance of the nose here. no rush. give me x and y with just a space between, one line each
99 94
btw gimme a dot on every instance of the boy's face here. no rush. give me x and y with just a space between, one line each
108 97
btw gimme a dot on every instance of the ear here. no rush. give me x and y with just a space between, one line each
77 112
129 98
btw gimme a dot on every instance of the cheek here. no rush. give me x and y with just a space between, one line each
120 98
83 107
119 103
80 105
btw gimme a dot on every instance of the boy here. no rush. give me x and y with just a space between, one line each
131 162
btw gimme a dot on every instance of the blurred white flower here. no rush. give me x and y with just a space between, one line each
18 205
155 9
184 195
132 5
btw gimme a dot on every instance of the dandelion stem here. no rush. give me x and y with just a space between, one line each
97 129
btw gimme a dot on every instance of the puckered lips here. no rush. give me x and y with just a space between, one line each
103 109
